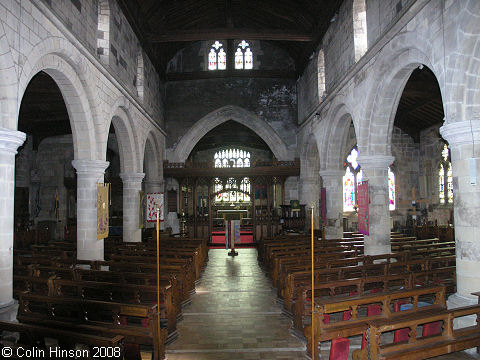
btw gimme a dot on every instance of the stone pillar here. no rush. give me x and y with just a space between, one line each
333 184
466 206
375 170
10 140
89 174
132 184
309 195
152 186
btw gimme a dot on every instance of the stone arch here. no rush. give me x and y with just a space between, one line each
153 168
122 122
310 158
8 85
75 97
219 116
335 137
382 100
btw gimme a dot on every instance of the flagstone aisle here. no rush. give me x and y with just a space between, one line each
234 315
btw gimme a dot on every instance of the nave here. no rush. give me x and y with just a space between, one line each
234 315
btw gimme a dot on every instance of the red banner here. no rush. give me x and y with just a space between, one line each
363 201
324 205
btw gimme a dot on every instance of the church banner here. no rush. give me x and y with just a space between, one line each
102 211
141 209
154 202
323 196
363 202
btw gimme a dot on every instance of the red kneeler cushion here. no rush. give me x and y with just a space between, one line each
401 334
339 349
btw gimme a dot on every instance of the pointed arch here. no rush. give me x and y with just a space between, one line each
230 112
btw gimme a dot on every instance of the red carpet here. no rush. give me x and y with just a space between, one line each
237 246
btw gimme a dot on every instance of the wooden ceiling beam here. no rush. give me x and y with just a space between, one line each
225 33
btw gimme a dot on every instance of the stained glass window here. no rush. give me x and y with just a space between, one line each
445 178
243 56
217 58
441 184
232 158
391 189
349 191
354 175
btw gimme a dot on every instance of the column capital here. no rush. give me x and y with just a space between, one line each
154 182
132 177
10 140
90 167
461 132
375 161
331 172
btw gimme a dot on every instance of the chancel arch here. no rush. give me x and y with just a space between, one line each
220 116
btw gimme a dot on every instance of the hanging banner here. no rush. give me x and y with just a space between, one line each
363 202
154 202
236 231
141 209
324 205
102 210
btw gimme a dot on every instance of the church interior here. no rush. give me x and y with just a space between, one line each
239 179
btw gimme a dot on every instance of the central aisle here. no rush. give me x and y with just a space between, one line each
234 315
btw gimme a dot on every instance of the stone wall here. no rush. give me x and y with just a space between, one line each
381 14
307 90
272 100
81 18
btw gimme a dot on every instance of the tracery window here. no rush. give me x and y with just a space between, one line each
243 56
445 178
391 189
228 158
217 57
354 175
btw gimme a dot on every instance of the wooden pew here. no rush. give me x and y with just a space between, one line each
31 336
418 346
344 288
96 318
357 323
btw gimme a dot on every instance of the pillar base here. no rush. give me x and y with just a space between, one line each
8 312
377 249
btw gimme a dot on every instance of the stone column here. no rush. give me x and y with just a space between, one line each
152 186
10 140
333 184
309 195
89 174
466 204
375 170
132 184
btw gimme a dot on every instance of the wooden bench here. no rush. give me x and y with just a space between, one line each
97 318
357 323
345 288
422 346
33 336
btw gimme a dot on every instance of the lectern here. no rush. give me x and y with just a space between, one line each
232 219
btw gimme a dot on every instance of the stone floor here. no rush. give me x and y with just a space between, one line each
234 316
